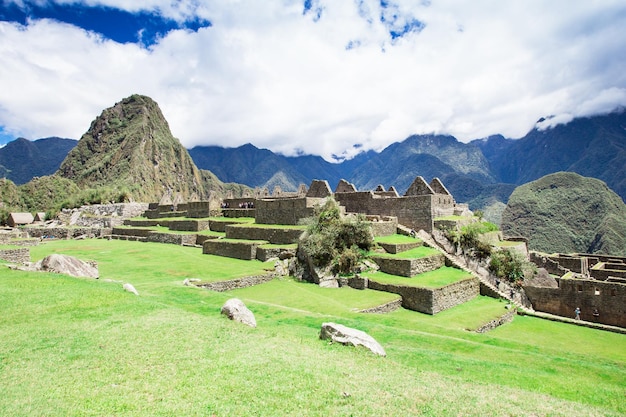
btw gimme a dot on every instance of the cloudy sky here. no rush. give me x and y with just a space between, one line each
326 77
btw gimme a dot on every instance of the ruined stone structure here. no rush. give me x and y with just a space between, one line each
594 283
417 209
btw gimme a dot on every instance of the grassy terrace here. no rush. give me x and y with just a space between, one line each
396 239
419 252
433 279
80 347
163 229
272 226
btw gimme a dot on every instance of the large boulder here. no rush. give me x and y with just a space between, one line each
236 310
68 265
349 336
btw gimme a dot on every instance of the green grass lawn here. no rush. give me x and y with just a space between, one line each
82 347
433 279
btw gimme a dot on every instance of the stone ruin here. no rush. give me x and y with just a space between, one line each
592 282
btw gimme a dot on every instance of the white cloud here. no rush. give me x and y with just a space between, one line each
267 74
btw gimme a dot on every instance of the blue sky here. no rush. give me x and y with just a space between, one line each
322 77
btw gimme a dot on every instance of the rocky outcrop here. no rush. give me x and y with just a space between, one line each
348 336
236 310
68 265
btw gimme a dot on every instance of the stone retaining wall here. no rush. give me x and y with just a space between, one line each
233 284
455 294
232 249
147 222
409 267
385 308
220 225
189 225
265 253
125 231
172 238
277 236
400 247
385 227
506 318
235 213
431 301
66 232
17 255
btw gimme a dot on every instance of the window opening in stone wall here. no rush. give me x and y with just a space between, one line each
580 288
597 291
613 292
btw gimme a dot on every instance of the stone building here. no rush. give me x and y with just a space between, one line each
596 284
20 219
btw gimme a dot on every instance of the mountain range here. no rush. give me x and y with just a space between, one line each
480 172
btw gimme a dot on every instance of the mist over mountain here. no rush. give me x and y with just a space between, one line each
591 146
22 159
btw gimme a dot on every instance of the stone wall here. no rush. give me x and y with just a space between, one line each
67 232
172 238
233 284
264 253
124 210
17 255
232 249
431 301
235 213
277 236
506 318
147 222
455 294
189 225
604 270
415 211
386 226
607 297
409 267
547 263
400 247
285 211
131 231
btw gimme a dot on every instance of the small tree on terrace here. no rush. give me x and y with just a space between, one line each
336 240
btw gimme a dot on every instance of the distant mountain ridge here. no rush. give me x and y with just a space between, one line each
22 159
481 172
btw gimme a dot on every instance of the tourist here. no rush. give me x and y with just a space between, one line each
577 313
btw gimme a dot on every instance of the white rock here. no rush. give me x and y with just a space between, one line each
129 287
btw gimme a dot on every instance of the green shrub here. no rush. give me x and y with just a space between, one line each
332 239
507 265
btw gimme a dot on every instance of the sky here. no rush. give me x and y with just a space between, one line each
322 77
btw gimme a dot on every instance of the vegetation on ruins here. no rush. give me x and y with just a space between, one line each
565 212
468 238
75 347
335 240
507 265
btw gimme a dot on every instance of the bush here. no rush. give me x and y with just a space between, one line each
335 240
507 265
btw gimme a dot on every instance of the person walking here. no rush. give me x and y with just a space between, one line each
577 313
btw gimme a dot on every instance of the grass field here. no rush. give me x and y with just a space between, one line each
79 347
